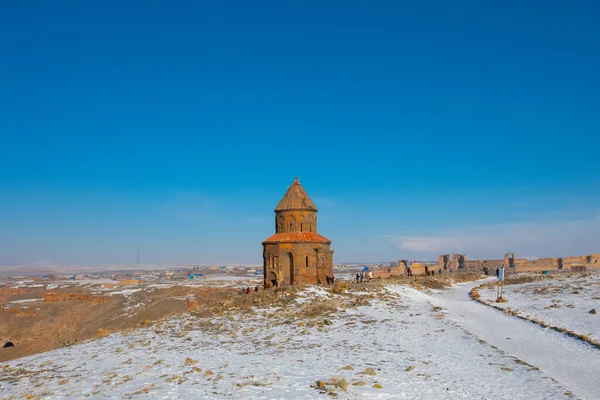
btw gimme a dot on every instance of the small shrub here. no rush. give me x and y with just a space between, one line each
369 371
67 334
342 384
340 287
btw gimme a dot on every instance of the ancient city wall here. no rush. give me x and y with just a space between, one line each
576 260
388 272
523 264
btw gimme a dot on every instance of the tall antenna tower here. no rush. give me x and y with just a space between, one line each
138 256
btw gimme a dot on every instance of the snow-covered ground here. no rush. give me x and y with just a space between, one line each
390 342
224 278
80 282
573 363
123 292
564 301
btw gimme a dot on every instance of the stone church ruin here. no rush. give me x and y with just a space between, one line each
296 253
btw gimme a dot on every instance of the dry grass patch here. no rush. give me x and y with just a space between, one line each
518 279
318 309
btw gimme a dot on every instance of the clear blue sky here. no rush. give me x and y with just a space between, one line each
418 128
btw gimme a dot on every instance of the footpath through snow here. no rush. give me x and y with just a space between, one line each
565 301
572 363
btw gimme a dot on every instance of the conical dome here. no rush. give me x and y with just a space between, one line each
295 199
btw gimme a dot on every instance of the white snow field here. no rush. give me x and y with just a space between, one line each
564 301
389 342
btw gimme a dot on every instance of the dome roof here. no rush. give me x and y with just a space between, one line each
295 199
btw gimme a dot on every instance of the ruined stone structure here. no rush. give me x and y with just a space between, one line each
296 253
403 265
443 261
546 263
399 269
458 261
509 260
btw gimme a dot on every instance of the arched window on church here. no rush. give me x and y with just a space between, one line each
307 264
310 227
300 226
291 225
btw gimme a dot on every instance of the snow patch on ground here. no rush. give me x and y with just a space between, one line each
25 301
124 292
311 293
159 285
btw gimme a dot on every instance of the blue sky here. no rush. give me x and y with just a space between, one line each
418 128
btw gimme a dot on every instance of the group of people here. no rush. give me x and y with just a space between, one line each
248 290
330 280
360 277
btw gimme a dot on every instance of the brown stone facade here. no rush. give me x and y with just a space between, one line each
296 253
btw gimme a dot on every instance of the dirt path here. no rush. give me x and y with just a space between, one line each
574 364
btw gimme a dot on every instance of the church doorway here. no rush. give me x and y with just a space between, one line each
291 267
273 279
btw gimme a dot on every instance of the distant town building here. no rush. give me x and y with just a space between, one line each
296 253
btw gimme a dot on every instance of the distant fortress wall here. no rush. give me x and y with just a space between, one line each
579 260
479 264
388 272
520 264
447 262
